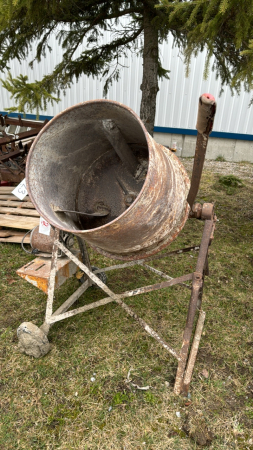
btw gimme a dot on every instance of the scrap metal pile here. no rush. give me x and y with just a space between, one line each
16 138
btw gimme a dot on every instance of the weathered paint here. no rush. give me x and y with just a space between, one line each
38 271
193 353
183 377
205 119
60 174
195 301
42 242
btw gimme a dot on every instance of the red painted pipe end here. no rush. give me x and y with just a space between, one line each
209 97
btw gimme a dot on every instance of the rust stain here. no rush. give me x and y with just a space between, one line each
84 171
40 283
41 241
37 272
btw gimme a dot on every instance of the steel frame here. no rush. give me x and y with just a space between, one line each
185 364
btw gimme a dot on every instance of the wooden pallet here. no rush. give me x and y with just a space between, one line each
13 236
16 214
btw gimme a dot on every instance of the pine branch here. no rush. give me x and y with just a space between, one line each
27 96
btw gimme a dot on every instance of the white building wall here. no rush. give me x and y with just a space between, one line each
177 100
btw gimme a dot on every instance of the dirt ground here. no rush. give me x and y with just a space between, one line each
241 170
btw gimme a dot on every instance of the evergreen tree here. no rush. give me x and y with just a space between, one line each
24 22
28 96
223 26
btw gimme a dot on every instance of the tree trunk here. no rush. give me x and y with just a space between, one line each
149 84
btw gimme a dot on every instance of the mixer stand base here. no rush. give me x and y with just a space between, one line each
185 363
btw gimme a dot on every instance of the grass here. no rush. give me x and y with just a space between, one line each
228 183
220 158
77 397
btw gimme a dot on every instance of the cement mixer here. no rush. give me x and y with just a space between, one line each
95 172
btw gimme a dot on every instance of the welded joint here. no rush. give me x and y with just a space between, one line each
197 278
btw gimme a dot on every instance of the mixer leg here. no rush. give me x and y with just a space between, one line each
32 339
196 289
34 342
193 354
51 283
195 303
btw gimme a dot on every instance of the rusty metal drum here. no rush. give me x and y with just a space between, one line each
94 171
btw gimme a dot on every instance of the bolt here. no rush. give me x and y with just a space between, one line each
129 199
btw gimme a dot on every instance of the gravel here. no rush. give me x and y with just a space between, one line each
240 170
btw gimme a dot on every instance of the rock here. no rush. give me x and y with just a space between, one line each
205 373
32 340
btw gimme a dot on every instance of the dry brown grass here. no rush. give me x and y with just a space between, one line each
51 403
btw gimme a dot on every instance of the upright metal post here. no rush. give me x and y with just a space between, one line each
206 113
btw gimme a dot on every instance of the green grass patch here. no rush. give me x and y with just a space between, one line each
229 184
79 396
220 158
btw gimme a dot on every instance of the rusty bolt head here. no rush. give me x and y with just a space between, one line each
129 198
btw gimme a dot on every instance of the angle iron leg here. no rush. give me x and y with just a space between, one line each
51 282
196 286
193 353
195 301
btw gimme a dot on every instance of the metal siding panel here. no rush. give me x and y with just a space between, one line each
167 85
190 122
249 120
240 121
177 98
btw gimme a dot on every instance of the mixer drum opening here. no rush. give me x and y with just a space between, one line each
109 188
96 172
